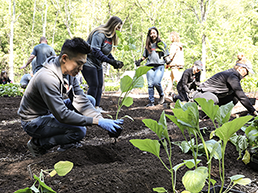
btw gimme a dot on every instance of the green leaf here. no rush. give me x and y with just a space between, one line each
214 148
236 177
141 71
176 167
160 189
188 117
128 101
148 145
229 128
138 83
208 107
194 180
155 127
63 167
25 190
125 83
163 122
243 181
213 182
44 186
191 163
246 158
224 113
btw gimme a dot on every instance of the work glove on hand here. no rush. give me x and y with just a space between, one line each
112 126
138 62
116 63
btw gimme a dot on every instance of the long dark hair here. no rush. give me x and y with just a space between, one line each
149 41
109 29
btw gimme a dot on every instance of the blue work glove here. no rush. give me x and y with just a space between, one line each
110 125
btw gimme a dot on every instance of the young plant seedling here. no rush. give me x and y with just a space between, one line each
61 168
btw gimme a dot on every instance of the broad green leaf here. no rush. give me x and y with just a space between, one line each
208 107
236 177
191 163
194 180
44 186
224 113
125 83
246 158
148 145
128 101
251 136
25 190
214 148
63 167
155 127
138 83
141 71
160 189
229 128
243 181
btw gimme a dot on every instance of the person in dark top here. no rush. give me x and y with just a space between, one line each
188 82
4 79
225 86
155 57
101 40
42 51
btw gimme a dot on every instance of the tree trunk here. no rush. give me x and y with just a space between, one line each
11 74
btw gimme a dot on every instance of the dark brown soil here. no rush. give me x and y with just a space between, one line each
102 165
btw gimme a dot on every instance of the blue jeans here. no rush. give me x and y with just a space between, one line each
154 77
94 78
50 132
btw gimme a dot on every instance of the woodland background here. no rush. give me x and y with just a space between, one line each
213 31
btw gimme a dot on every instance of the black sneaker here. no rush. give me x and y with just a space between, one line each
34 149
69 146
161 100
150 105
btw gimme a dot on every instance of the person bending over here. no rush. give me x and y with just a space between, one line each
188 82
225 86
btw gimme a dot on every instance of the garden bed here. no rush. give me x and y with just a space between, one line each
103 165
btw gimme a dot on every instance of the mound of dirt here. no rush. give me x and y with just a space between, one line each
103 164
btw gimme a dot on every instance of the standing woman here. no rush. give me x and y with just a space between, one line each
101 40
155 57
176 55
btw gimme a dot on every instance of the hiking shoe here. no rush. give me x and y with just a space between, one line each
150 104
161 100
69 146
34 149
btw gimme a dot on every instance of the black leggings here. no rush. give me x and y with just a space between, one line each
94 78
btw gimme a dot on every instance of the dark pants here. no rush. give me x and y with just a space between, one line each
50 132
94 78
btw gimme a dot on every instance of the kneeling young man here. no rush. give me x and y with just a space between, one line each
46 116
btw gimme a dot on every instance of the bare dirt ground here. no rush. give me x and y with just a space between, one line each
102 165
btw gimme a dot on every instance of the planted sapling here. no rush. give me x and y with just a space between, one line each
61 168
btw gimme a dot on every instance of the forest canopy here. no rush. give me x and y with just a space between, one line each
213 31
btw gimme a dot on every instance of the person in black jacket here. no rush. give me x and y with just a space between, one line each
188 82
225 86
4 79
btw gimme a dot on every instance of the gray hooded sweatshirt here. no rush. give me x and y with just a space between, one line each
44 95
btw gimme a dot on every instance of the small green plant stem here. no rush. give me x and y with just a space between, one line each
207 155
171 172
223 168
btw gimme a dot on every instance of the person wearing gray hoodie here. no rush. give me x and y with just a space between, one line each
52 120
